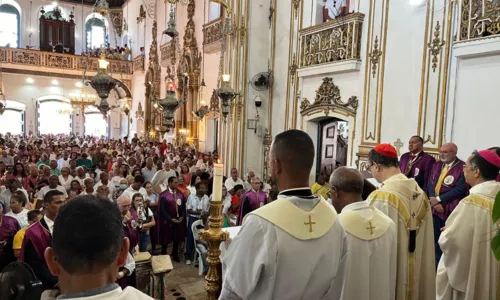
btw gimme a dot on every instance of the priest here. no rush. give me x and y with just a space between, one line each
38 237
446 188
294 247
372 239
406 204
468 269
252 199
417 163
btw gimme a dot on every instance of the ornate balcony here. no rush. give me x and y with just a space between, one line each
168 53
139 63
331 42
212 33
478 19
50 62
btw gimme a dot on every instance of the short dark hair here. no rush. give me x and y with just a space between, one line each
47 199
488 170
139 179
204 176
295 149
171 179
419 138
375 157
237 187
33 214
88 235
197 186
18 198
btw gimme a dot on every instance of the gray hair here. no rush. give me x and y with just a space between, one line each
256 178
87 180
348 180
123 198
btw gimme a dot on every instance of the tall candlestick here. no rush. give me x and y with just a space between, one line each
217 187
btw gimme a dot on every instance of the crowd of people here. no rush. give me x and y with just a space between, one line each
121 53
425 233
161 190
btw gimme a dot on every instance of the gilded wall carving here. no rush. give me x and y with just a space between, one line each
434 77
212 32
117 21
26 58
59 61
479 18
333 41
328 99
139 63
168 53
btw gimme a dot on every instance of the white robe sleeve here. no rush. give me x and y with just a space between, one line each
251 252
130 264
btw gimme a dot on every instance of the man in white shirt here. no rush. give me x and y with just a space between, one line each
87 228
372 237
136 187
194 209
63 161
202 164
160 179
149 170
11 186
233 180
53 185
247 185
104 180
291 248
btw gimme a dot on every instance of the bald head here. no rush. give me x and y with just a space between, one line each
448 153
346 187
292 154
348 180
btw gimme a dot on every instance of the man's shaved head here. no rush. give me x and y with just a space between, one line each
448 153
346 187
450 147
292 155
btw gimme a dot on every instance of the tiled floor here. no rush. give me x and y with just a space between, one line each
184 283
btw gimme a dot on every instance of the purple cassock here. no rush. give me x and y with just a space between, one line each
132 233
8 229
36 240
418 168
165 231
249 202
453 189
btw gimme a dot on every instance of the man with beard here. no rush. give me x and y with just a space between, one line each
298 224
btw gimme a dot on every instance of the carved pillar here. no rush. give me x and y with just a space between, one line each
117 21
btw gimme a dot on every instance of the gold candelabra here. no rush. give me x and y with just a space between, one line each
82 101
214 236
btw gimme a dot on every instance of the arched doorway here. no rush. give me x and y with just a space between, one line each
54 117
13 118
95 124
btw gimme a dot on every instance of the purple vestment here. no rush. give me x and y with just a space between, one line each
249 202
164 233
449 183
419 168
40 239
8 229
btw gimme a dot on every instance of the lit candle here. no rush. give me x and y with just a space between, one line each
217 187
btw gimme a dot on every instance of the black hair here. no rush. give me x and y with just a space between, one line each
419 138
193 179
33 214
204 176
88 235
197 186
295 149
23 172
18 198
49 196
171 179
488 170
237 187
139 179
375 157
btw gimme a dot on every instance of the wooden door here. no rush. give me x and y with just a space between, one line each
328 156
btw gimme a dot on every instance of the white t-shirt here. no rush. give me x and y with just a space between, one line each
46 189
66 183
22 217
131 192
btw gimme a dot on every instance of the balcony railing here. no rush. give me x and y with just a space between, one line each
478 18
168 53
333 41
139 63
35 58
212 31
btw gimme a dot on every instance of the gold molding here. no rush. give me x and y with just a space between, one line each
398 144
376 41
433 88
293 10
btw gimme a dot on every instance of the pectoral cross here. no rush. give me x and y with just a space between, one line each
371 228
311 223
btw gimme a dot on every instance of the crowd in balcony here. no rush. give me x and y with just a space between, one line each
121 53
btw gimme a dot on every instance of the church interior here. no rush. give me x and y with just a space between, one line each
225 77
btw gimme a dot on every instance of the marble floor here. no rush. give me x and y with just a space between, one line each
184 283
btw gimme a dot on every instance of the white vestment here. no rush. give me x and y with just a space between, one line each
468 269
407 205
129 293
371 255
285 250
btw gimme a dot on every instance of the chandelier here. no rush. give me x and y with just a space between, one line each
226 95
171 31
103 83
169 105
101 7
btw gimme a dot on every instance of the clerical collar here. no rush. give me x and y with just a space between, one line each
303 192
416 154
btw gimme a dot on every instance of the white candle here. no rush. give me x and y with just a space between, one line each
217 187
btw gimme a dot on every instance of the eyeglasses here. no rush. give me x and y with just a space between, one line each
469 167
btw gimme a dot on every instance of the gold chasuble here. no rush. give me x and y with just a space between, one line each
301 224
402 200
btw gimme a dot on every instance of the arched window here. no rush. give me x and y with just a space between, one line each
97 35
10 26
